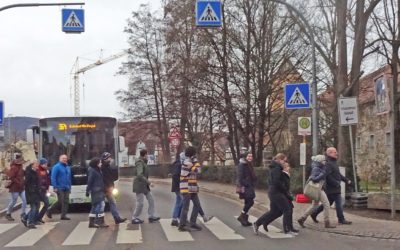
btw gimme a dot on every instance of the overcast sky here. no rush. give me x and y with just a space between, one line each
36 57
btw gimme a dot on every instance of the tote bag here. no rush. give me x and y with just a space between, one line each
312 190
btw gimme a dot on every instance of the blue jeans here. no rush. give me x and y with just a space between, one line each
337 198
32 215
113 205
178 206
14 197
45 200
97 208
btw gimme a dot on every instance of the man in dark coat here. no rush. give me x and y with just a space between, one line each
333 189
32 193
108 179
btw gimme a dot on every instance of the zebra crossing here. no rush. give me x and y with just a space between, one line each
127 233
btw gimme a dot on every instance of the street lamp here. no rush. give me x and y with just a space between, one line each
310 33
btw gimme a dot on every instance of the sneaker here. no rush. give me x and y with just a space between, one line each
41 221
119 220
265 226
154 219
175 223
291 233
38 223
49 215
31 226
255 228
183 229
65 218
294 230
207 218
137 221
9 218
345 222
314 218
24 221
195 227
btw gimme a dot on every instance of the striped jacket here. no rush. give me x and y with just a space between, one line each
188 178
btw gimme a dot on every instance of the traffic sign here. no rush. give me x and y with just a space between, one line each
348 110
1 112
73 20
208 13
297 96
304 125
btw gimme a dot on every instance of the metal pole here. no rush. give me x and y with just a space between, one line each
310 33
353 159
36 5
392 153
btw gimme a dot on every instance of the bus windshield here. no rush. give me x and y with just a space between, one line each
80 138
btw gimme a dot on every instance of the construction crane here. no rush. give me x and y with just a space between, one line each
76 71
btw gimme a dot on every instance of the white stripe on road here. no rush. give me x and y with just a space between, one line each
6 227
128 236
222 231
32 236
81 235
172 233
273 232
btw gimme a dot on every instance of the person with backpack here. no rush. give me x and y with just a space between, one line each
32 191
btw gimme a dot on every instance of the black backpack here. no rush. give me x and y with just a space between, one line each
176 174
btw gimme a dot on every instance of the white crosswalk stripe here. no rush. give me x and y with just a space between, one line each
127 235
273 232
6 227
172 233
222 231
81 235
30 237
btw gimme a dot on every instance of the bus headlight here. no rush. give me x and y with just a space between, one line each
115 191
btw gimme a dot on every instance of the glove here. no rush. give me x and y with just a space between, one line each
87 194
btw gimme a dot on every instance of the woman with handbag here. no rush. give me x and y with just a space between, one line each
318 175
246 180
16 187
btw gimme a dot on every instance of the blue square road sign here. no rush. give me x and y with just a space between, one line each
297 96
73 20
1 112
208 13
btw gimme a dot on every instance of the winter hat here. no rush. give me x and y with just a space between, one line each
318 158
105 155
43 161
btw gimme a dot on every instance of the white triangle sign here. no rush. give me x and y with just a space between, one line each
209 14
297 98
73 21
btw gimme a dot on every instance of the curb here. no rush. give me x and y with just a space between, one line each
262 208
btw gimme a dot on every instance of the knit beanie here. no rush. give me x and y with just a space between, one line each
318 158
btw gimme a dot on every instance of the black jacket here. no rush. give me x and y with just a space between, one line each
246 178
176 174
108 175
275 180
32 190
333 176
95 185
286 184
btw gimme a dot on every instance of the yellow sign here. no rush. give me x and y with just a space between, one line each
64 126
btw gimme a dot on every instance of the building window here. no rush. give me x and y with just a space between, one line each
371 142
388 139
358 142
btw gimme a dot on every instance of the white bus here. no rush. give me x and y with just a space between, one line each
81 139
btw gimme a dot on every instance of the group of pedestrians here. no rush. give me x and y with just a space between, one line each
325 171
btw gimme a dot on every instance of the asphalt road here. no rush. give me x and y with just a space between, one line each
222 233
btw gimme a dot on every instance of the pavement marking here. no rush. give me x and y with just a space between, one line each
30 237
273 232
172 233
81 235
127 236
222 231
6 227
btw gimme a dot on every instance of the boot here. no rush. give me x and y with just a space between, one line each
301 222
100 222
242 219
329 225
246 221
92 223
9 217
119 220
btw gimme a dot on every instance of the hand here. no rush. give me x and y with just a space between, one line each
87 194
349 182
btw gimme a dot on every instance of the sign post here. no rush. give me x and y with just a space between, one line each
304 129
1 113
348 115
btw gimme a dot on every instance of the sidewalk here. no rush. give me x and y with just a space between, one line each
361 227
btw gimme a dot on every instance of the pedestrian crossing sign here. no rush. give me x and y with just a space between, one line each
208 13
73 20
297 96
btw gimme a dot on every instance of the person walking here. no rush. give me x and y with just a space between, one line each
95 188
333 188
61 181
176 174
44 183
32 192
246 180
277 193
108 179
288 223
141 186
318 175
17 187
